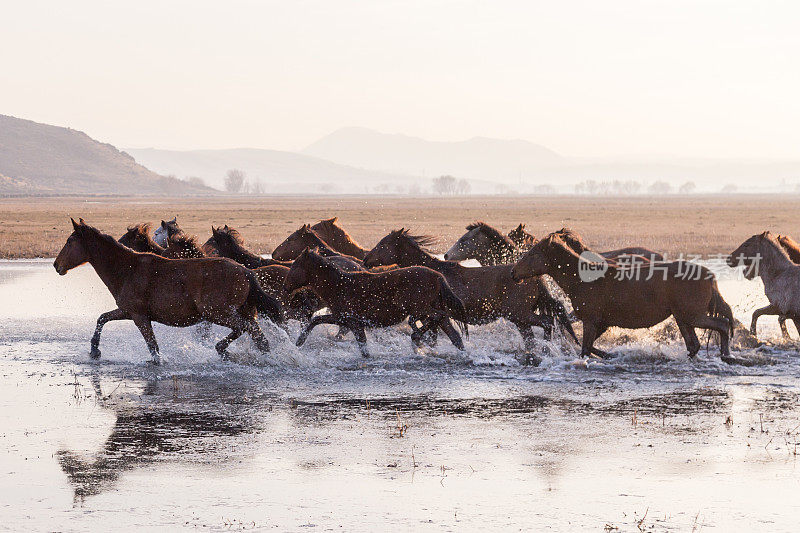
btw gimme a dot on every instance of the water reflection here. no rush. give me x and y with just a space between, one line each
159 425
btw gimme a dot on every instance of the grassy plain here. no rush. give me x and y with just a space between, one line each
37 227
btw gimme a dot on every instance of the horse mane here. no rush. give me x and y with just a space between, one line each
492 233
791 246
233 233
185 244
142 228
83 228
776 242
420 242
555 240
572 239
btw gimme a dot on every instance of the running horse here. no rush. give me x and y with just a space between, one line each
607 295
360 299
334 237
766 255
488 292
177 292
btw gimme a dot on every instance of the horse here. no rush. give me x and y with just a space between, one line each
305 237
229 243
359 300
166 230
334 237
792 248
175 292
488 293
767 256
522 238
179 245
138 239
630 255
485 244
612 296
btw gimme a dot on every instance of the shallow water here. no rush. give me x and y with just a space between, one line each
318 438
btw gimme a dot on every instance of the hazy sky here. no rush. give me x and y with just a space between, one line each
702 78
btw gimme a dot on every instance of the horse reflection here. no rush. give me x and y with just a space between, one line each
142 435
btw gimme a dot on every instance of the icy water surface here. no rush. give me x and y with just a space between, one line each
317 439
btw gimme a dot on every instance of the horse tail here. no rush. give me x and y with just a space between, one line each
549 305
719 308
454 305
262 301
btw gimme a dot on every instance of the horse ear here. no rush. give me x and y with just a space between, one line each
163 224
226 227
521 227
174 220
334 219
82 223
74 224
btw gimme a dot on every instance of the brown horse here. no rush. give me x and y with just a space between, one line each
334 237
176 292
485 244
359 300
522 238
229 243
488 293
305 237
179 245
630 255
631 299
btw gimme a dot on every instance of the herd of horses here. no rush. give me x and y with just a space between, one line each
321 275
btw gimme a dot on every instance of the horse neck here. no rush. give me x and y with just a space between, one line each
327 280
567 276
773 261
412 256
246 257
112 261
342 243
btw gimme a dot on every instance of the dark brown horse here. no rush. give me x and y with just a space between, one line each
305 237
485 244
522 238
176 292
359 300
179 245
488 293
229 243
604 296
334 237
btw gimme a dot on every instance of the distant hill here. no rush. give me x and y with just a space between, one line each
42 159
479 157
278 171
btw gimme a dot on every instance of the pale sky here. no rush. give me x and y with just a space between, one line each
590 78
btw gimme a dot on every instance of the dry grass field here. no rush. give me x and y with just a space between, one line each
37 227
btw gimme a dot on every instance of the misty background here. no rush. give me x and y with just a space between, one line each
626 97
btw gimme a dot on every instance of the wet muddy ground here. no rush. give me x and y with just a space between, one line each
319 439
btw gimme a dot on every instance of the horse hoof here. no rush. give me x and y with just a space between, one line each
94 353
154 362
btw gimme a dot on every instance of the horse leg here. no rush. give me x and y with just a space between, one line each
784 330
316 321
451 333
146 329
116 314
257 335
719 325
689 337
361 338
342 333
429 335
768 310
222 346
589 336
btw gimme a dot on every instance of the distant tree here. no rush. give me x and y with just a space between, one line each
255 186
544 189
445 185
194 180
659 187
730 188
234 180
687 188
463 187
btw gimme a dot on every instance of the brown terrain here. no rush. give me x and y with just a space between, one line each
37 227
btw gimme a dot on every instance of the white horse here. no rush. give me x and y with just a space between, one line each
762 255
166 230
